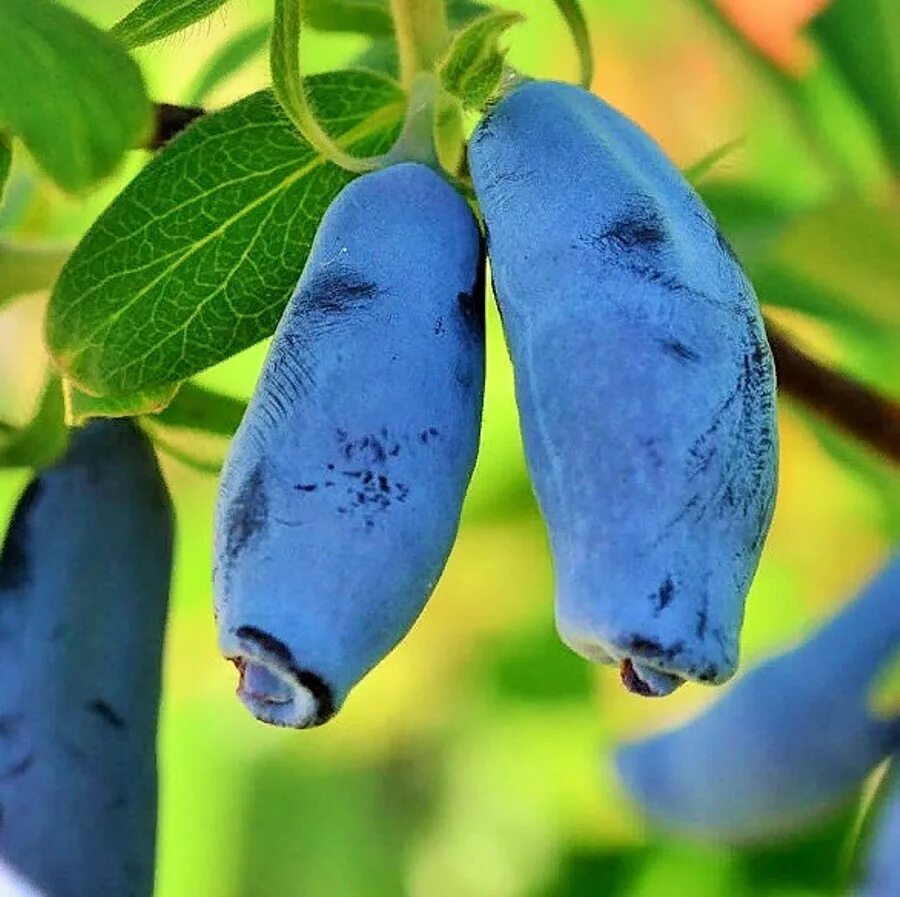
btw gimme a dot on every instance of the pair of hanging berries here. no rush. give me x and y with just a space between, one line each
646 396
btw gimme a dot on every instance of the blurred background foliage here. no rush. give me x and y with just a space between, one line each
476 760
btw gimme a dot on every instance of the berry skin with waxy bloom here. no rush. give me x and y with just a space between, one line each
644 382
341 494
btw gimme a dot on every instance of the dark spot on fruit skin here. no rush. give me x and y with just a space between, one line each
19 769
651 649
641 230
427 435
247 514
15 571
333 292
679 350
306 487
471 303
106 712
438 326
314 683
664 595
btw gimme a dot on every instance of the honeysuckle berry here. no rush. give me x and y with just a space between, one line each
84 584
341 494
644 382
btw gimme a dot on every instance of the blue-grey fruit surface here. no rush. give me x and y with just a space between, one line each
341 494
791 741
84 583
644 382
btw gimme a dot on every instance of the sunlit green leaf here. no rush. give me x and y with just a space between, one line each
197 257
82 407
230 57
473 64
152 20
863 39
69 90
45 438
697 171
27 269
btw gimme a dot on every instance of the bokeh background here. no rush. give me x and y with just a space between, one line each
476 761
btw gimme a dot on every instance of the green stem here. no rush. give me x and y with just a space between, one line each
416 141
574 15
287 82
422 34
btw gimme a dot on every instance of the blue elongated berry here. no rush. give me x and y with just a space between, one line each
789 742
84 583
882 867
644 382
341 494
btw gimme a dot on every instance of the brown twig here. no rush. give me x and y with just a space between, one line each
169 121
844 402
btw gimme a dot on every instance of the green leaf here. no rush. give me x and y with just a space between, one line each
69 90
156 19
704 165
5 160
211 463
27 269
230 57
82 407
374 16
198 408
197 257
473 64
862 37
45 438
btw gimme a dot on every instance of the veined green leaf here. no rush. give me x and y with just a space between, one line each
81 407
27 269
69 90
473 64
197 257
45 437
234 54
198 408
863 39
156 19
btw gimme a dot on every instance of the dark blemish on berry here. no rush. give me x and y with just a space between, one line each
19 769
247 514
641 230
427 435
679 350
709 673
702 623
306 487
367 477
106 712
438 326
632 681
329 484
335 291
664 595
383 484
15 567
331 467
309 680
648 649
471 302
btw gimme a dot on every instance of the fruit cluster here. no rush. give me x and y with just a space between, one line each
646 396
